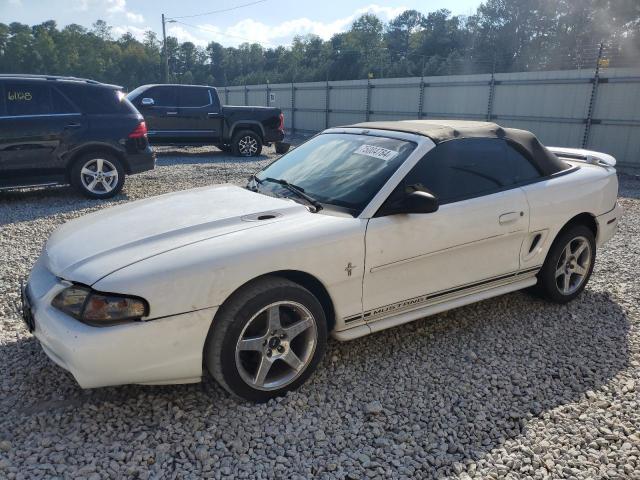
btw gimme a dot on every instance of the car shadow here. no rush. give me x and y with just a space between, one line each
35 203
458 384
213 157
629 186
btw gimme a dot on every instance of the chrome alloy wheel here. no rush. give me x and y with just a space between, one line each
248 146
276 345
99 176
573 265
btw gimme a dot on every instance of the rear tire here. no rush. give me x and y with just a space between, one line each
246 143
266 340
97 175
568 266
282 148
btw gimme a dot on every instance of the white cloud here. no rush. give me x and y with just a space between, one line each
137 32
250 30
116 6
134 17
185 35
112 8
15 3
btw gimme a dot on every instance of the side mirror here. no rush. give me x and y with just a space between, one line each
417 201
147 102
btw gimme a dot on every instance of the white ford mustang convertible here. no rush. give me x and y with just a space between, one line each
359 229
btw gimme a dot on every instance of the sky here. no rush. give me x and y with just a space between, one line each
268 22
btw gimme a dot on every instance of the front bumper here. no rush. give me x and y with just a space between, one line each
608 224
163 351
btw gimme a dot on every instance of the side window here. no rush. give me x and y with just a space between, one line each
194 97
95 99
27 99
460 169
59 103
162 96
215 101
523 169
467 168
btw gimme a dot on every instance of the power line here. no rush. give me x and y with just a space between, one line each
217 32
220 11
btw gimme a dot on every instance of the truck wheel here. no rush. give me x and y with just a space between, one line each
568 265
246 143
282 148
266 340
97 175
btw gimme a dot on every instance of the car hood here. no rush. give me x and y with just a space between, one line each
91 247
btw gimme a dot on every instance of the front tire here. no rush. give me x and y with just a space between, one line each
246 143
266 340
97 175
568 266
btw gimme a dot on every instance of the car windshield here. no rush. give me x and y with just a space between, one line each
340 169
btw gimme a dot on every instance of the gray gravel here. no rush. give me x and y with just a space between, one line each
510 387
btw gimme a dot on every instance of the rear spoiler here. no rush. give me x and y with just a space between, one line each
586 156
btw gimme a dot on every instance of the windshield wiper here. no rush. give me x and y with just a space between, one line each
294 189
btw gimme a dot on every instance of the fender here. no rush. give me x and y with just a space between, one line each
238 123
71 155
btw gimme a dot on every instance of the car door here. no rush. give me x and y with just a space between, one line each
161 114
199 114
472 241
36 124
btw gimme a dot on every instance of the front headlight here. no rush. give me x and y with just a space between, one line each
99 309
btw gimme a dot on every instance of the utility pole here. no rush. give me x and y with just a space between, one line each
165 53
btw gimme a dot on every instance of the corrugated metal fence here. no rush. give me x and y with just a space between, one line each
571 108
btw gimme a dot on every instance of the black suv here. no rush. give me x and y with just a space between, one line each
193 115
64 130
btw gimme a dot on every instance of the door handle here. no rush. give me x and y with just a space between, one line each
509 217
172 113
72 125
212 115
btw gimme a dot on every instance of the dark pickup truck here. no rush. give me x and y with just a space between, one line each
193 115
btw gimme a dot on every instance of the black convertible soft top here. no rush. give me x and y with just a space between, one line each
445 130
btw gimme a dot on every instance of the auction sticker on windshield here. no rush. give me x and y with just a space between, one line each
376 152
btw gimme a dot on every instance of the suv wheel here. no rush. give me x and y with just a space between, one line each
247 143
98 175
267 339
568 265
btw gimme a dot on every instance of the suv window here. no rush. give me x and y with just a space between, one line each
466 168
162 96
194 97
59 104
96 100
27 99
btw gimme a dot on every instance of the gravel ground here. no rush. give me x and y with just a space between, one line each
508 388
